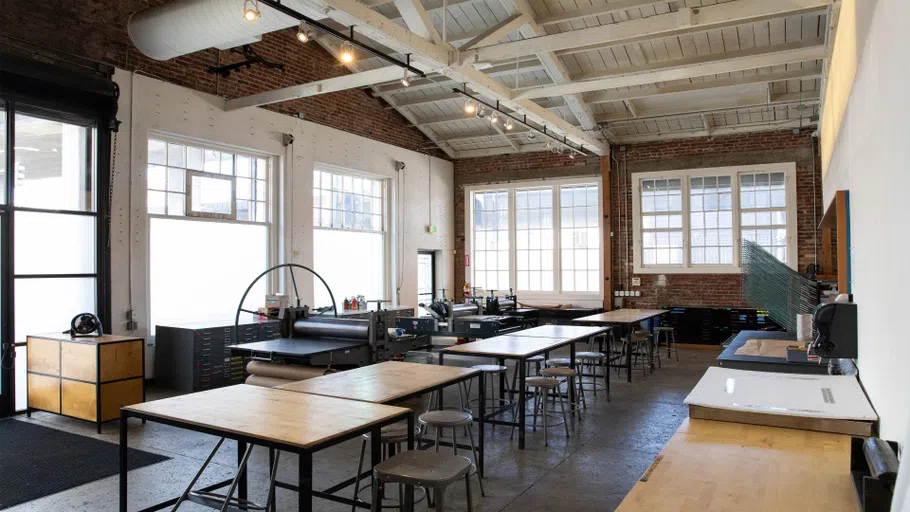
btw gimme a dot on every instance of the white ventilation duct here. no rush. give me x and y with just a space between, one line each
180 27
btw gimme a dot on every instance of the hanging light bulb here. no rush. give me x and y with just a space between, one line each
251 10
494 118
347 53
302 34
508 126
572 155
470 108
405 81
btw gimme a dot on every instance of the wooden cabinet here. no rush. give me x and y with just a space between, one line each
86 378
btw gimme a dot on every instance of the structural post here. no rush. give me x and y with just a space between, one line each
606 190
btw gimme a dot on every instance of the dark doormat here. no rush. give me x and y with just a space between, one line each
38 461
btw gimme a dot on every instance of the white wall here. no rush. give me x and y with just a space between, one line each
871 159
148 104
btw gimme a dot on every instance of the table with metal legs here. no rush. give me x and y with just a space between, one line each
280 420
626 319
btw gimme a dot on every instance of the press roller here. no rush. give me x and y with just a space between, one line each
353 329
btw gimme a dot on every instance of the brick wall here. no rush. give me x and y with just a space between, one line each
693 290
96 29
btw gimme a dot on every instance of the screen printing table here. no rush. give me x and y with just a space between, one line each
393 382
520 348
277 419
730 359
627 318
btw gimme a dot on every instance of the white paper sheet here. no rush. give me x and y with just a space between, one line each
814 396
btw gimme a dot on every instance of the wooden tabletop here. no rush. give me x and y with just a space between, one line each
295 419
105 338
621 316
381 383
561 331
509 346
720 466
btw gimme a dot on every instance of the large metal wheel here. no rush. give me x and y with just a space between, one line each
290 267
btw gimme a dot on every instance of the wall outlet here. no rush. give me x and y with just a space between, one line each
636 281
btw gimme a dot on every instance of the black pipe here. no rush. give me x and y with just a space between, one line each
278 6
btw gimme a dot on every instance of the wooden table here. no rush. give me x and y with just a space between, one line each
278 419
626 318
520 348
559 331
393 382
719 466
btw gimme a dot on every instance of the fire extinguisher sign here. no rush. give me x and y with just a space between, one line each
467 260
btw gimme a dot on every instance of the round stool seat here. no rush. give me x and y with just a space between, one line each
589 355
558 372
489 368
538 357
541 382
559 361
446 418
395 433
423 468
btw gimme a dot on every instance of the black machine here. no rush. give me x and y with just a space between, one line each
85 325
477 317
837 330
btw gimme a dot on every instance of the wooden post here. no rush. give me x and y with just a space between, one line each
843 243
606 190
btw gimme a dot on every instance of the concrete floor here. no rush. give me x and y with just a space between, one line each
591 471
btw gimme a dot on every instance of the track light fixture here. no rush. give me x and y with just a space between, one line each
405 81
531 136
470 108
572 156
494 118
508 125
251 10
303 33
481 113
346 56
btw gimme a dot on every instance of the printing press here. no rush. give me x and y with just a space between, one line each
477 317
313 342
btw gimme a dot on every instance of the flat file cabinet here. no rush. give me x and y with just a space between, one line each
89 378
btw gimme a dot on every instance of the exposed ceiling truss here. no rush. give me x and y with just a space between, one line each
616 71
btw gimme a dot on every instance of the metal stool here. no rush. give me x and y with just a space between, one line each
533 359
391 436
454 420
411 469
559 362
637 343
570 377
546 384
489 371
591 361
670 337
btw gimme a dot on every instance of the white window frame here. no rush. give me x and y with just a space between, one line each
274 220
510 188
386 215
789 170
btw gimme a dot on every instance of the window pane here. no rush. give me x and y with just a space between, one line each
157 202
51 243
176 204
157 177
211 195
176 155
223 274
53 166
71 296
195 158
176 180
157 152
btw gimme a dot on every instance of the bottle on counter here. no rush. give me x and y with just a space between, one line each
347 304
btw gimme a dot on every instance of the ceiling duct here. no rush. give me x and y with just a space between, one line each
180 27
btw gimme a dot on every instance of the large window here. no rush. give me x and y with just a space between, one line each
348 235
540 239
693 221
209 228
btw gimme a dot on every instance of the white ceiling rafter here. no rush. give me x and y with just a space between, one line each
434 56
792 100
595 10
685 21
709 132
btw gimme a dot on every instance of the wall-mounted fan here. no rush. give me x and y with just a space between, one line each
85 324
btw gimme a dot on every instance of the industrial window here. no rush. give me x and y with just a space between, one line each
534 239
661 222
209 229
541 239
694 221
349 235
491 240
194 181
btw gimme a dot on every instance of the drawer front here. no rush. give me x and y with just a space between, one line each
115 395
43 356
44 393
121 360
77 399
78 361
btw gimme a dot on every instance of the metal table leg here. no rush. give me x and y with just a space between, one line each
482 422
521 403
571 386
241 466
123 462
628 345
305 479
